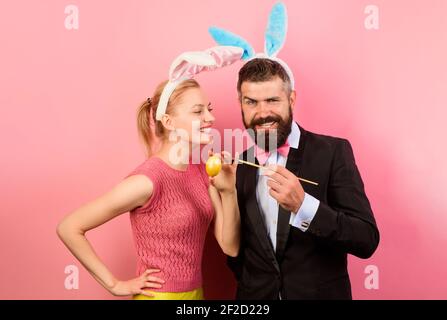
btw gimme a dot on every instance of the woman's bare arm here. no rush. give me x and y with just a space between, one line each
130 193
226 220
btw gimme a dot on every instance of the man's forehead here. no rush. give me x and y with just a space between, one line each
262 90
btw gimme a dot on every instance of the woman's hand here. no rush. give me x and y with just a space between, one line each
136 285
225 181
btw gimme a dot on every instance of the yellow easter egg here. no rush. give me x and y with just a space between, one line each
213 166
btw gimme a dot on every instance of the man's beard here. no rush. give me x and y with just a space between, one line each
265 139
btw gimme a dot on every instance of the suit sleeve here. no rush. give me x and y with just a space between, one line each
346 221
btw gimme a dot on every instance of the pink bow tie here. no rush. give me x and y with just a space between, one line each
263 155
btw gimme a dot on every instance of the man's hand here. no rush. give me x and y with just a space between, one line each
285 187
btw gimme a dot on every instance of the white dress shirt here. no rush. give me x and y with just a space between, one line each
269 206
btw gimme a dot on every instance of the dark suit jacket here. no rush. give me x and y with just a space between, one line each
311 264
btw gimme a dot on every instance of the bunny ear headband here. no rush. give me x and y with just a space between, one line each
275 37
188 64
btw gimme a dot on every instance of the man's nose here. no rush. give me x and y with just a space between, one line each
264 109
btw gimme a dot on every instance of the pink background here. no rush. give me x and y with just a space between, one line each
67 124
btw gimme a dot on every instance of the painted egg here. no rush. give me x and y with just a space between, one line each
213 166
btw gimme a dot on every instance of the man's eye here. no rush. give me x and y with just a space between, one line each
198 112
250 102
272 100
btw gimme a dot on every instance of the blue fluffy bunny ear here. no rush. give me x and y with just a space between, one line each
226 38
275 35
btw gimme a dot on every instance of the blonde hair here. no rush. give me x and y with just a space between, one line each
149 128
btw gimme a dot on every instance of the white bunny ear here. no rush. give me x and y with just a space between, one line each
276 31
188 64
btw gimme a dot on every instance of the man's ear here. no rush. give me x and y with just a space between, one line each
292 98
167 122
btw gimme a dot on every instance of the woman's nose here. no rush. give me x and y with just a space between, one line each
209 116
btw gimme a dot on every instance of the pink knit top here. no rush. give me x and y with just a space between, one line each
169 230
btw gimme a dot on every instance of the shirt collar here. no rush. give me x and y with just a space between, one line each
294 136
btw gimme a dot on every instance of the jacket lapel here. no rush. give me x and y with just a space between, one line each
253 212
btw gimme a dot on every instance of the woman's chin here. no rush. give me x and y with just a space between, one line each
202 141
206 139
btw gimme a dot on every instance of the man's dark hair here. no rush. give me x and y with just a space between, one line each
260 70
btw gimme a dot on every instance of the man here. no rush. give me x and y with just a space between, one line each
295 236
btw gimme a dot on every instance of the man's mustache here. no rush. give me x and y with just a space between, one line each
261 121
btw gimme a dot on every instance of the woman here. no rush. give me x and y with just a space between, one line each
171 204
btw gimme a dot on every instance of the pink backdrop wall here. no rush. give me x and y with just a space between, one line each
67 124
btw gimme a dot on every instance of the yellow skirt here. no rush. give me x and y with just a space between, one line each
196 294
